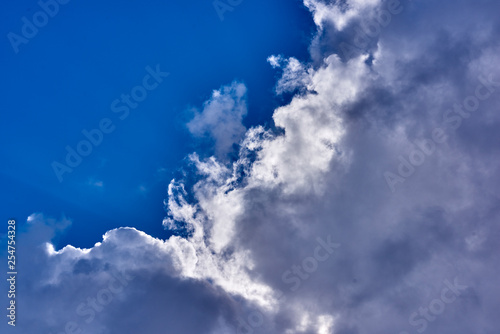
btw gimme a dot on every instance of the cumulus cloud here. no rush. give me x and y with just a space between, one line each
145 283
304 233
338 12
295 75
221 118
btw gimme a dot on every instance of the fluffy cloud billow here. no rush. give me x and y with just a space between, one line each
221 118
373 208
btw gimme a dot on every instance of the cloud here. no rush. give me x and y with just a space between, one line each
95 183
323 176
338 12
420 259
221 118
145 282
295 75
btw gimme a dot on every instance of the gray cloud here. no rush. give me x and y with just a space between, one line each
322 176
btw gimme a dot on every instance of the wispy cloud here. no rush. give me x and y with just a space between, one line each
221 118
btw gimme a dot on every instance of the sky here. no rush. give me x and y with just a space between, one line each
65 79
232 166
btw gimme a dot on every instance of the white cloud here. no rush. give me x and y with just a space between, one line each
95 183
295 75
221 118
338 13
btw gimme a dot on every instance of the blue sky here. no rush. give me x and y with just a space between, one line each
64 80
299 167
